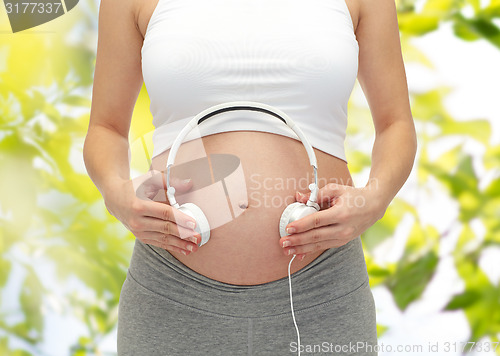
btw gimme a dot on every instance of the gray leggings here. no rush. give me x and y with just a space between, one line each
168 309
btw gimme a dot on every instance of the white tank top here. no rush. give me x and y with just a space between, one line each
300 56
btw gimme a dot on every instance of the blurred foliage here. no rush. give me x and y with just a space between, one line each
52 214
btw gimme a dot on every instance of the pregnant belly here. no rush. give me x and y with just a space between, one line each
264 171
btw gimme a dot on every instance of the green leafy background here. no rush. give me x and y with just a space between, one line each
62 256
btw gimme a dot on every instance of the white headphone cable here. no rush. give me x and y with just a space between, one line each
291 305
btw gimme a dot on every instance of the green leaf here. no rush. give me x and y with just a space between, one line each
478 26
438 7
478 129
428 106
358 161
31 302
492 10
411 279
416 24
381 329
491 158
75 100
483 313
411 53
5 268
463 300
465 31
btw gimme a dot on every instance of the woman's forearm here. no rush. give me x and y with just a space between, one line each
105 154
393 155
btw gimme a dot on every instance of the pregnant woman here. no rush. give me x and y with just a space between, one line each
230 296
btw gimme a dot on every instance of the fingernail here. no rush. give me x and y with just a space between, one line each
290 230
300 195
186 181
302 257
184 252
191 224
190 248
291 251
286 243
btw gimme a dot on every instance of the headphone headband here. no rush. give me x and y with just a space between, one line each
241 105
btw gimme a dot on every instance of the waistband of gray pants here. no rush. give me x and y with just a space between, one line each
333 274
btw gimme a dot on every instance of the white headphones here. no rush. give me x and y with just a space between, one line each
291 213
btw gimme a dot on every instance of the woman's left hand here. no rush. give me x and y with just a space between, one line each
349 212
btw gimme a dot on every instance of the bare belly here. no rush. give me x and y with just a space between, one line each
245 249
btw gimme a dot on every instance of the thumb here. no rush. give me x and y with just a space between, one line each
148 185
181 185
326 195
145 186
302 198
329 193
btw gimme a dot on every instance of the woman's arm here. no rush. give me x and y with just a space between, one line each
117 82
382 77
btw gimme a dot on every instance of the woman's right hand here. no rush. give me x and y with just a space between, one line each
152 222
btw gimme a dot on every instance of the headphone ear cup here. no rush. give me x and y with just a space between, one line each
285 217
202 226
292 212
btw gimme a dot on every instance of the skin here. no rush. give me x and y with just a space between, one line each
251 242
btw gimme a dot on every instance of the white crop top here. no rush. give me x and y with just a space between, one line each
300 56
